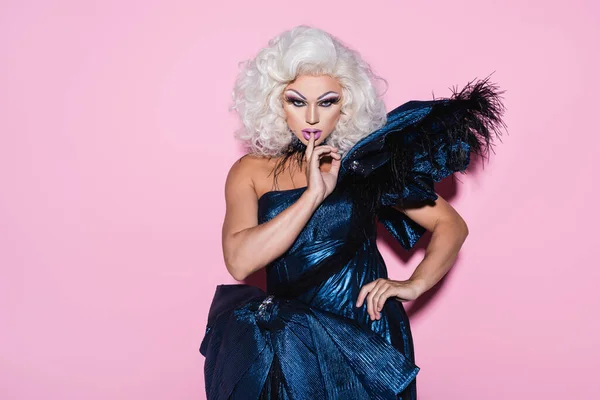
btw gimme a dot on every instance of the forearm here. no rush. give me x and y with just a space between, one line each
254 248
447 239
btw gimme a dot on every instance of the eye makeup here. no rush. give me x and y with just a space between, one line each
298 100
294 100
330 100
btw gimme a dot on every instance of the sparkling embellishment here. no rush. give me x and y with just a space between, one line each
262 307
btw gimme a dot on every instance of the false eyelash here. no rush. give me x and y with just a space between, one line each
293 100
333 100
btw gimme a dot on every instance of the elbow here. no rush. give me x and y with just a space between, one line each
235 269
233 263
238 275
463 229
456 227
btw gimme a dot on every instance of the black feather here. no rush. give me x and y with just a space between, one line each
472 115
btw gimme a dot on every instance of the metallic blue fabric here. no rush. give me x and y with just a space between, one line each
305 338
321 354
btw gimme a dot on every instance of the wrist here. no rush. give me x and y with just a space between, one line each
314 196
419 284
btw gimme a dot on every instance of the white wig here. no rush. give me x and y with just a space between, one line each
304 50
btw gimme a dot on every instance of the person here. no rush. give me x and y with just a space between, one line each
325 163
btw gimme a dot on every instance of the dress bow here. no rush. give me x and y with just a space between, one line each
248 331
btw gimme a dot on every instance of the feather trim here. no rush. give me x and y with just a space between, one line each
433 146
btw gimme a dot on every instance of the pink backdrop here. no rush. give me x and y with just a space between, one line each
116 140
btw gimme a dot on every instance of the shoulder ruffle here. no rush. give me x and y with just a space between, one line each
421 143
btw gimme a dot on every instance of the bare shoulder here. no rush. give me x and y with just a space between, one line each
249 171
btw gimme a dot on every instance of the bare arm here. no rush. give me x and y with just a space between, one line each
247 246
449 232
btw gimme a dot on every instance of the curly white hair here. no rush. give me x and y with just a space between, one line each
304 50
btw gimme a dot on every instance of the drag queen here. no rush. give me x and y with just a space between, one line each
325 162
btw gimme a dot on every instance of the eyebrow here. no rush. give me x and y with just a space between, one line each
319 98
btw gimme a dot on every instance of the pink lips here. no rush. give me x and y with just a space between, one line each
307 133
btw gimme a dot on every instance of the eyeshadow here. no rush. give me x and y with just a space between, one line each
332 98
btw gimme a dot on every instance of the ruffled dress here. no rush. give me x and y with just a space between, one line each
304 338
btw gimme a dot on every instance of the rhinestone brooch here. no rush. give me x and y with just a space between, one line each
262 307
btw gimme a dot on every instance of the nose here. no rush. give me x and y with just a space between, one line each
312 115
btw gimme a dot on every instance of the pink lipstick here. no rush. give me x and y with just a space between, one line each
308 131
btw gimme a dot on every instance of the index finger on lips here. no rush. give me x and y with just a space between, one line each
310 146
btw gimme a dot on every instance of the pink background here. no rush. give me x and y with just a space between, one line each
116 140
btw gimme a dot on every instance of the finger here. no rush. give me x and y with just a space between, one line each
378 292
315 157
325 146
383 296
335 164
310 146
315 160
371 303
373 294
363 293
323 150
384 293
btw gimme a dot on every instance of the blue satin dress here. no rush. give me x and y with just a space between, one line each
305 338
